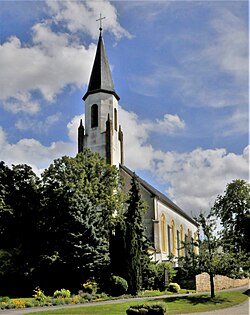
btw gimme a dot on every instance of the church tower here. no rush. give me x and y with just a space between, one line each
102 133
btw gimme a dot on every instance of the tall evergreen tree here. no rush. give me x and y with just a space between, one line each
135 239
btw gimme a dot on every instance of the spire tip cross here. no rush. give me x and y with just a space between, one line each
100 19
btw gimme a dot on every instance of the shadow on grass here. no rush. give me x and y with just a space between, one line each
194 300
247 292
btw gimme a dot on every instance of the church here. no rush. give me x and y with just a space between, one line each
168 227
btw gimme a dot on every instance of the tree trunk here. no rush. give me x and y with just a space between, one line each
211 284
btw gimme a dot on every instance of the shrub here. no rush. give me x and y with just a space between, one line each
154 277
85 296
4 299
63 293
174 287
153 309
118 286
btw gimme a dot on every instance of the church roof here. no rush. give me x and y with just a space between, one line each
101 78
161 197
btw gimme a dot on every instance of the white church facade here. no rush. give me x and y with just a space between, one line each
168 227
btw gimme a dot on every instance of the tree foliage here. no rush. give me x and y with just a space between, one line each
19 218
56 230
233 210
213 257
79 205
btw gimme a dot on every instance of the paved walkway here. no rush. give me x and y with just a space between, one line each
241 309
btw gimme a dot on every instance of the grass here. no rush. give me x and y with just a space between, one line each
147 293
174 305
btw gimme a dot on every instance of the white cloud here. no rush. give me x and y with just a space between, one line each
32 152
82 16
36 125
169 125
53 60
73 127
43 67
21 102
192 179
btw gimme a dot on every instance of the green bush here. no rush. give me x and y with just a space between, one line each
63 293
174 287
154 276
5 299
153 309
84 296
118 286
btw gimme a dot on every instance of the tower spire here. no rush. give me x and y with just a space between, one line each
101 78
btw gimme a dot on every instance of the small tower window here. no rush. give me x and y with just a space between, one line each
94 116
115 114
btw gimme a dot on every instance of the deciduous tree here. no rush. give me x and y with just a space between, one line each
233 210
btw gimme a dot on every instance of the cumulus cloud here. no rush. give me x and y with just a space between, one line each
38 125
42 67
53 59
76 15
192 179
32 152
21 102
73 127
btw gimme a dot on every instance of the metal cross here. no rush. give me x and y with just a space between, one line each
100 19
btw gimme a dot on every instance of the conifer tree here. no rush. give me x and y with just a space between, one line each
135 240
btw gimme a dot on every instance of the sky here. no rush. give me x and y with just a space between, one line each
179 67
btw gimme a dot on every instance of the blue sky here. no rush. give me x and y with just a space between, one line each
179 67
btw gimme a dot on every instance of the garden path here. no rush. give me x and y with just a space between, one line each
241 309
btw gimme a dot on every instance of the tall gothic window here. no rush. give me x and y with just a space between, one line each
169 240
115 118
178 243
163 233
94 116
173 238
182 245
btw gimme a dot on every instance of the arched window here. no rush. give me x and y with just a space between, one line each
182 252
115 118
163 234
94 116
173 238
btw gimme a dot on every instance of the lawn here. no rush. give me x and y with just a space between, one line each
174 305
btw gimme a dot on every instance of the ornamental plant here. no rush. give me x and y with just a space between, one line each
39 295
174 287
153 309
63 293
89 287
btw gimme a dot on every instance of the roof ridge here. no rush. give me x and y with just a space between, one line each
160 195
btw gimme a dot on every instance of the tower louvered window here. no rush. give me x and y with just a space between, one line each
94 116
